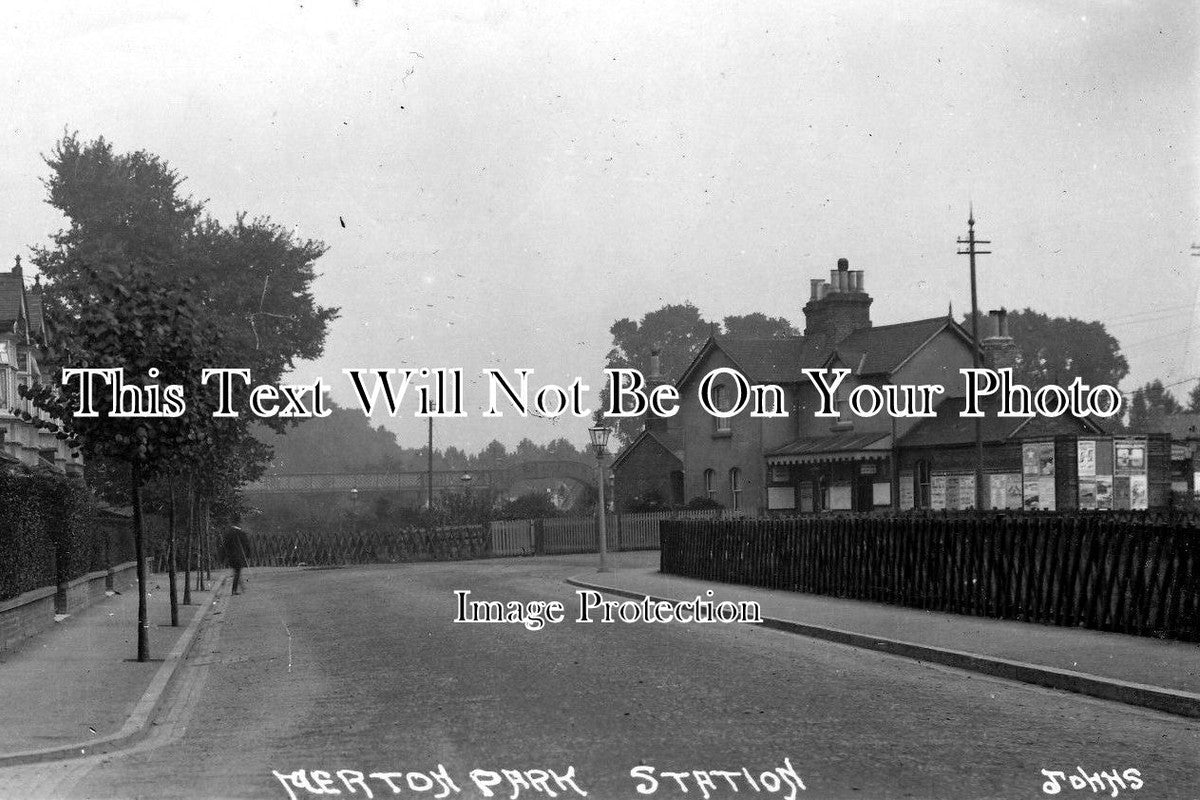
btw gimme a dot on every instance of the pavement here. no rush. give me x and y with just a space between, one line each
78 688
1153 673
364 669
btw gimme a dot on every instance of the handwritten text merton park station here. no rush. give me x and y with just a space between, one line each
779 782
441 392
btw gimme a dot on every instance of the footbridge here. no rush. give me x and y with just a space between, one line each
413 485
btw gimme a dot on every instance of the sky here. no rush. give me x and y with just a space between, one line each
498 182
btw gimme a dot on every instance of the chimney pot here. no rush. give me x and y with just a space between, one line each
834 280
816 288
993 330
843 264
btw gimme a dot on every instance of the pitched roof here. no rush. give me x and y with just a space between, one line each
881 350
1180 426
848 442
763 360
11 291
662 441
869 351
949 428
773 360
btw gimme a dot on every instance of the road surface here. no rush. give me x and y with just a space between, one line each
362 669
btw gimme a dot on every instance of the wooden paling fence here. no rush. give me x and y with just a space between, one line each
562 535
551 536
368 546
1133 577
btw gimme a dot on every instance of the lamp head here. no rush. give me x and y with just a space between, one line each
599 435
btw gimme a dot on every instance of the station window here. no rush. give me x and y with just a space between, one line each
735 487
922 479
720 401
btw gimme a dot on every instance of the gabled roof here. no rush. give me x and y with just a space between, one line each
12 300
868 351
883 349
949 428
762 360
643 437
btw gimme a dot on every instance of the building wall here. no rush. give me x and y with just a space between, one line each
939 361
644 471
705 447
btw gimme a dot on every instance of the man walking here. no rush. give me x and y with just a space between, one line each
236 549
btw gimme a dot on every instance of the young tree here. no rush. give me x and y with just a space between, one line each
126 320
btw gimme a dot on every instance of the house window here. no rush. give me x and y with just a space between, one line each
735 487
922 478
719 402
710 487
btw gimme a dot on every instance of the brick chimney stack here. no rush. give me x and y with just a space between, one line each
999 349
654 423
839 307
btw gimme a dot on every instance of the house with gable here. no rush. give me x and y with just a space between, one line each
798 462
22 336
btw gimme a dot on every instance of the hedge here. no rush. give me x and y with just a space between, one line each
48 532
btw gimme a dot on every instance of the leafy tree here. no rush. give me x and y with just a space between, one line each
532 505
562 449
256 278
1149 404
759 326
677 331
1194 400
253 280
128 319
1060 349
124 212
494 455
245 291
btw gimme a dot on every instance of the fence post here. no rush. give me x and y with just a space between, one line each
539 536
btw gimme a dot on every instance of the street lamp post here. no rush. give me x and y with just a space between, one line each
599 435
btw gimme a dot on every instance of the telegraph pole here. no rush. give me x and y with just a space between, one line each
972 250
429 472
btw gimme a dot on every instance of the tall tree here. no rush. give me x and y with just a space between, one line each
257 279
252 280
1194 400
1149 404
242 294
1060 349
677 331
758 326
